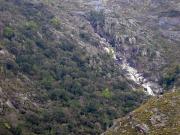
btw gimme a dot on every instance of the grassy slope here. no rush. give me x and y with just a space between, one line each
168 105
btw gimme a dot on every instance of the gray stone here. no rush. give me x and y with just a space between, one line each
143 128
158 120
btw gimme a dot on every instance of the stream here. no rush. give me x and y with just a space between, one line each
131 73
138 78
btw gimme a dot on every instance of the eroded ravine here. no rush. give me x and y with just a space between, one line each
151 88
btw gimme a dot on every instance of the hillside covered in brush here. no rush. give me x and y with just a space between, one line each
71 67
54 78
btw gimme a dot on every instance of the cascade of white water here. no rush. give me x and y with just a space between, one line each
131 72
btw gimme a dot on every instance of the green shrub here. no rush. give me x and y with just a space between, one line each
32 118
67 46
31 25
8 32
106 93
91 108
58 115
59 94
170 77
16 130
85 36
55 22
97 17
47 80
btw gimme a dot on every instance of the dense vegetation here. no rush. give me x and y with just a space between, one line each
69 90
170 77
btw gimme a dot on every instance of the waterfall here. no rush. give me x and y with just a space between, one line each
138 78
131 73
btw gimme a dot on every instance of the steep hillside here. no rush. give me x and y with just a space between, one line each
159 116
55 76
144 36
72 67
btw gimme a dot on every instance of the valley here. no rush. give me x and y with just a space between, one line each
89 67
